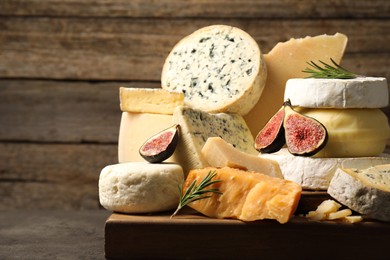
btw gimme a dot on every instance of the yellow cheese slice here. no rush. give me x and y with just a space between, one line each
247 196
352 132
135 129
285 61
220 153
149 100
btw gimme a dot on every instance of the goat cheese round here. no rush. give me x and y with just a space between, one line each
366 191
316 173
140 187
219 68
361 92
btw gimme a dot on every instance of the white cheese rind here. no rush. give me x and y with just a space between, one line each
361 92
316 173
219 68
140 187
366 191
197 126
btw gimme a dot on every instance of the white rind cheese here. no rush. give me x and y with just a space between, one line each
149 100
197 126
219 68
316 173
361 92
365 191
140 187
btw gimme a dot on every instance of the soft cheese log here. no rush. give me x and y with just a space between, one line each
247 196
149 100
285 61
219 68
352 132
135 129
220 153
196 126
140 187
316 173
361 92
365 191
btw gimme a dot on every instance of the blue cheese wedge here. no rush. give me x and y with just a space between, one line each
365 191
219 68
196 126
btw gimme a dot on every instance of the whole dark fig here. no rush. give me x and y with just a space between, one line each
305 136
160 146
271 138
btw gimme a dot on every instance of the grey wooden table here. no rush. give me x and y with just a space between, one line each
52 234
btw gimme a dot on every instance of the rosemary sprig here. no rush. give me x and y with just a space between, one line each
197 192
329 71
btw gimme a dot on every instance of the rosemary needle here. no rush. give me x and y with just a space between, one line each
197 192
329 71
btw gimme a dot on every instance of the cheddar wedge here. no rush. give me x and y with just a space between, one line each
247 196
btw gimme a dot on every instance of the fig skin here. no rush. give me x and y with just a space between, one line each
304 135
271 138
157 151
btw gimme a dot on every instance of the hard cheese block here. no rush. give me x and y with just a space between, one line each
366 191
361 92
149 100
220 153
135 129
247 196
197 126
285 61
140 187
219 68
316 173
352 132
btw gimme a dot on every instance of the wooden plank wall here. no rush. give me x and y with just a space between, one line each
62 62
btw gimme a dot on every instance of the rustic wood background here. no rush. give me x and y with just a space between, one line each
62 62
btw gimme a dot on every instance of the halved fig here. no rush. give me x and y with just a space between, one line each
160 146
305 136
271 138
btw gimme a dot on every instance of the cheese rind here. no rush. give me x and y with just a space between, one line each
220 153
316 173
140 187
352 132
197 126
149 100
135 129
365 191
285 61
219 68
247 196
361 92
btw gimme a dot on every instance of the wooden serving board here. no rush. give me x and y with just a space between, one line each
191 235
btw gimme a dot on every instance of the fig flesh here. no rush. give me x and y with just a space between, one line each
160 146
271 138
305 136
